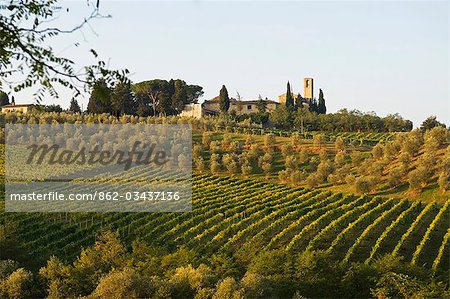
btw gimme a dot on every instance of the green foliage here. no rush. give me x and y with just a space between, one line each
398 285
281 117
363 185
261 105
342 121
74 106
430 123
289 97
224 99
27 28
125 283
122 99
444 181
161 97
417 178
321 107
52 108
18 284
269 140
4 99
269 263
228 289
100 100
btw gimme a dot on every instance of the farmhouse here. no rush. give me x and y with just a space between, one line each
212 107
23 108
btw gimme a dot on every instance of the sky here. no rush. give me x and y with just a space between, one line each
382 56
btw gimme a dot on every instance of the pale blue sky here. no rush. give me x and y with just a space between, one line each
387 57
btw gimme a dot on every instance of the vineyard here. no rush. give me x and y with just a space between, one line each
243 217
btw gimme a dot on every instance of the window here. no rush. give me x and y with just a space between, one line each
249 107
307 83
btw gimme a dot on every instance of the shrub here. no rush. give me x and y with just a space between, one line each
295 139
377 151
200 164
215 167
417 178
232 167
339 145
206 139
196 151
254 285
405 158
394 177
303 156
339 159
391 150
234 146
286 149
226 140
249 140
269 140
445 163
376 169
123 284
291 162
412 142
17 285
333 179
266 167
357 158
297 176
427 160
267 158
284 175
323 155
324 169
228 288
246 168
254 150
215 146
312 180
215 158
363 185
436 137
318 140
444 181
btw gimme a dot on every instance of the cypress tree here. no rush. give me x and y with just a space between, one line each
100 100
224 100
74 107
4 99
321 107
313 107
289 98
299 102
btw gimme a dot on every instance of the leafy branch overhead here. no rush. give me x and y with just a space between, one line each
27 60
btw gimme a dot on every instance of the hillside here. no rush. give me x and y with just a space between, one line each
274 214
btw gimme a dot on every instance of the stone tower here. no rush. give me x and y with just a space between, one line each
308 86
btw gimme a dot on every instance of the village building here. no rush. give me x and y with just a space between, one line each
308 93
212 107
23 108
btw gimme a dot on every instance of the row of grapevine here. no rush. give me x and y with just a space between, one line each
242 217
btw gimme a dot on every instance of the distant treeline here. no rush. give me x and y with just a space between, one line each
342 121
147 98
